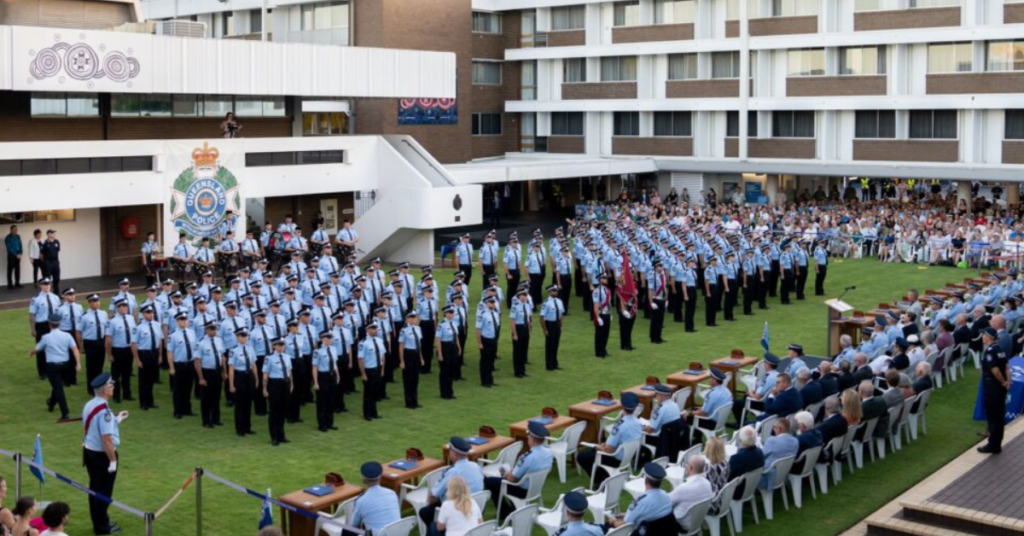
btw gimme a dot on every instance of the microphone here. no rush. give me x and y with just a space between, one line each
849 288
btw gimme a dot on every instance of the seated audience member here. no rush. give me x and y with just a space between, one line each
694 490
575 506
906 386
846 379
923 373
459 512
56 517
716 468
807 436
834 425
810 390
852 410
781 444
945 337
748 458
24 511
378 506
827 379
862 370
784 400
873 407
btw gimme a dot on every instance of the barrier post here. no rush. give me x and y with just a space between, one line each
199 501
149 524
17 474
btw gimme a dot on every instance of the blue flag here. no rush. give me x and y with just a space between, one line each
764 338
266 514
37 458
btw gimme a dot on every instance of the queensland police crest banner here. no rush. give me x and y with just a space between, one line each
204 198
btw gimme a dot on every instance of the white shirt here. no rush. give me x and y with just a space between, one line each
33 248
52 533
456 524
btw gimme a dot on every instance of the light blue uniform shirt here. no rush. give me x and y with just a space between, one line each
579 528
261 340
626 430
210 351
535 262
133 304
651 506
716 398
104 422
520 313
57 345
427 309
277 366
794 366
376 508
241 358
464 253
410 337
767 383
324 359
552 309
602 300
148 335
69 311
820 256
42 306
371 351
536 459
489 253
227 332
121 328
94 325
488 321
448 331
468 470
512 257
664 414
180 343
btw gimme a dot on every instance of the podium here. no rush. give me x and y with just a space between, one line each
836 323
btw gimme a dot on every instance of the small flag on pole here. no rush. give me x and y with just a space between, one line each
764 338
37 458
266 514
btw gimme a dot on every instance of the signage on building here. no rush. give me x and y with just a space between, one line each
46 59
202 194
428 112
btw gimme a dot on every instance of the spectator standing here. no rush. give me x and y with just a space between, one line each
230 126
33 255
12 242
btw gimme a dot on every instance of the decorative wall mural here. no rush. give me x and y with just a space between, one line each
82 62
427 112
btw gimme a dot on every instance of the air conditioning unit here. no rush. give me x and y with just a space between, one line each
181 28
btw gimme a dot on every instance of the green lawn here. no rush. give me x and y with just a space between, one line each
159 453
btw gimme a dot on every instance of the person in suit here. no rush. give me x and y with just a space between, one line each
1003 338
962 333
781 444
807 437
748 458
979 321
784 400
923 377
828 381
909 323
863 371
834 424
872 407
845 378
900 360
810 390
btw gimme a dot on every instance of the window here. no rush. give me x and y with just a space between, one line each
325 15
794 8
725 64
294 158
324 123
949 58
1005 56
163 105
860 61
732 124
47 216
155 105
732 9
674 11
64 105
488 23
486 124
806 62
528 80
618 69
627 124
51 166
682 66
574 70
934 3
672 124
486 73
124 105
567 123
217 105
933 124
185 105
875 124
227 23
627 13
255 21
1014 125
793 124
568 18
867 5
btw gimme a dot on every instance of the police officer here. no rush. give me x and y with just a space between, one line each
277 385
49 252
764 386
657 289
575 506
690 295
99 450
522 324
378 506
448 349
410 358
820 267
119 347
714 399
371 355
209 370
538 458
535 268
461 319
43 306
182 350
71 323
94 329
146 349
343 339
552 312
786 267
801 258
242 380
665 421
711 292
426 307
731 290
488 329
601 298
325 381
651 512
749 277
458 457
627 429
464 256
995 384
488 258
59 348
513 267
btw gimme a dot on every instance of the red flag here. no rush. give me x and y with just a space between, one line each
627 290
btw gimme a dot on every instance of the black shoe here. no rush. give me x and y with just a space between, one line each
116 400
64 417
129 399
989 449
250 432
332 427
275 443
377 417
240 434
113 528
218 423
285 440
50 404
210 426
177 416
154 407
368 419
322 429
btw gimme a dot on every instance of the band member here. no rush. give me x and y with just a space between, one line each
150 249
228 253
325 381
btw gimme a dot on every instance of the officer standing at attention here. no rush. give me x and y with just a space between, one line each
535 269
731 290
601 298
426 307
749 280
995 384
49 252
124 293
378 506
464 256
182 350
800 256
277 385
71 323
657 288
461 319
488 327
512 267
94 331
627 429
146 349
458 457
786 267
371 351
575 506
42 307
522 323
654 506
209 369
409 352
538 458
59 348
119 346
448 352
711 292
820 267
325 381
552 312
99 450
242 382
488 258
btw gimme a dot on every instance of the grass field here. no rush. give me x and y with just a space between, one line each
159 453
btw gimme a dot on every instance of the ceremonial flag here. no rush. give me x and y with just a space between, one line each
37 458
764 338
266 514
627 290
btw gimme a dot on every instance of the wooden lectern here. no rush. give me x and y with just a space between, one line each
836 322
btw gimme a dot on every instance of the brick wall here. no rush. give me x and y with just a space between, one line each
566 144
655 32
657 146
690 89
16 123
732 28
970 83
783 25
732 147
82 14
567 38
781 148
123 255
304 207
1013 152
934 17
809 86
599 90
907 150
1013 13
199 127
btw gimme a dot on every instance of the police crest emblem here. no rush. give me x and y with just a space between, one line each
202 194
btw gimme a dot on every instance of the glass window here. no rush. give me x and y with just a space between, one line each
185 105
949 58
875 124
273 107
1014 125
227 20
324 15
489 23
618 69
860 61
793 124
682 66
255 21
67 166
249 106
1005 56
49 104
806 62
48 216
122 105
794 8
41 166
867 5
574 70
528 80
568 17
933 124
486 124
672 124
934 3
217 105
155 105
674 11
725 64
105 165
627 124
732 124
732 9
487 73
83 105
567 123
627 13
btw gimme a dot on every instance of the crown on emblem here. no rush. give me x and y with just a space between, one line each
205 156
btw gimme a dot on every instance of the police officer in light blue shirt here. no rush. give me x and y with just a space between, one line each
102 437
796 352
209 367
666 412
371 355
325 381
653 506
626 430
538 458
458 457
377 507
277 384
575 506
59 347
182 350
714 399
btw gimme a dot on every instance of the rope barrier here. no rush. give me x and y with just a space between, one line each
188 482
85 489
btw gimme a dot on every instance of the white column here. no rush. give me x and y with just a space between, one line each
771 187
963 193
744 78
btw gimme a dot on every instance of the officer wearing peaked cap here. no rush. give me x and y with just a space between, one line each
575 506
517 481
651 512
209 369
277 384
371 358
378 506
552 313
99 451
410 351
447 341
458 457
242 381
627 429
325 381
60 347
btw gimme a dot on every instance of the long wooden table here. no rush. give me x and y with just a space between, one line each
493 444
592 413
732 365
299 525
681 380
518 430
394 478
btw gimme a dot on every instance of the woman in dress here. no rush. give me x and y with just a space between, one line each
717 468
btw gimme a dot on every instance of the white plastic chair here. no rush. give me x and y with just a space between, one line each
534 490
697 513
520 522
778 482
752 375
624 530
821 468
614 465
845 453
564 447
341 514
676 472
402 527
764 428
917 414
751 480
550 520
903 428
484 529
809 459
636 487
714 517
815 409
418 495
868 441
481 498
508 455
606 498
720 417
682 397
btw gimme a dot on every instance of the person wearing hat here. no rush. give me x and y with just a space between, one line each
145 348
731 289
601 298
325 381
795 354
59 348
538 458
764 386
384 328
346 238
995 381
377 507
119 348
94 326
575 507
371 359
124 293
301 342
447 341
160 301
657 293
410 344
900 360
666 427
49 254
561 261
242 379
650 513
209 370
394 317
44 305
426 308
535 268
459 465
461 319
627 429
488 330
521 317
182 350
711 291
552 312
488 258
714 399
513 267
277 384
786 273
99 450
71 323
464 256
820 267
204 259
627 307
